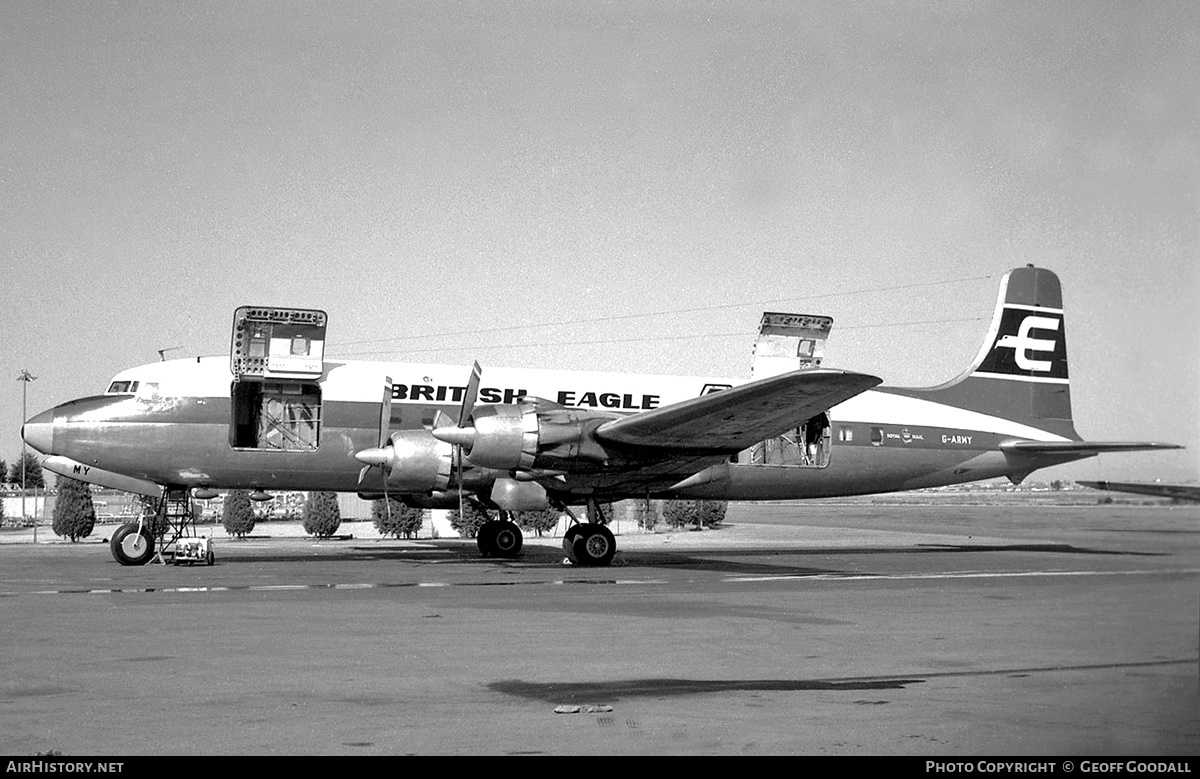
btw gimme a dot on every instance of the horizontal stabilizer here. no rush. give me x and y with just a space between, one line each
736 418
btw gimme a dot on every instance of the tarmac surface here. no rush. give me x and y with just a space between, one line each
795 629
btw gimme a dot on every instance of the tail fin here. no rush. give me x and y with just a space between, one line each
1021 371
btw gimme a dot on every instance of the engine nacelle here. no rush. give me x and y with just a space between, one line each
513 495
530 434
419 463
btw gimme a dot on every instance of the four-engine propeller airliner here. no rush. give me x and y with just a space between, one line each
277 415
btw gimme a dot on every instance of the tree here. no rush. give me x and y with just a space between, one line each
403 520
322 517
645 513
677 513
3 471
237 515
74 512
712 512
468 523
539 521
33 471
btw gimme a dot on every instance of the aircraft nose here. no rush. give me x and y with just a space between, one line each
38 432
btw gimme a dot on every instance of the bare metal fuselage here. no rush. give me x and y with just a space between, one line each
180 435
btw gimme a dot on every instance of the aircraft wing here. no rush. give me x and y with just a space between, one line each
1180 491
736 418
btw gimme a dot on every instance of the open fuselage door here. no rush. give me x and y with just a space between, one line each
790 342
277 359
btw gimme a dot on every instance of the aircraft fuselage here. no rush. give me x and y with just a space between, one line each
180 428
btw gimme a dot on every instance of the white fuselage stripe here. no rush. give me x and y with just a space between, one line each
881 407
362 381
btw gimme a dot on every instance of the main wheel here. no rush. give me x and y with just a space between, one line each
569 542
129 547
595 546
485 537
507 540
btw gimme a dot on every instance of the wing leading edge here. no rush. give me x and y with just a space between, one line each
736 418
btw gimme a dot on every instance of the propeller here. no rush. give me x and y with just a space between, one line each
460 434
464 416
383 455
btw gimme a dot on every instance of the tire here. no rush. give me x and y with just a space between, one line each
211 558
485 537
569 542
507 540
130 547
594 547
569 537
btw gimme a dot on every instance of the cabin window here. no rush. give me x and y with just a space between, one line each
846 434
877 436
275 416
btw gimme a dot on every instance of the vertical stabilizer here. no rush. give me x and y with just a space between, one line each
1021 371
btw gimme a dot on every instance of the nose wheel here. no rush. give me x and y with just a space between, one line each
131 545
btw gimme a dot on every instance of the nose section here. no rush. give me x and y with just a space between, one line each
38 432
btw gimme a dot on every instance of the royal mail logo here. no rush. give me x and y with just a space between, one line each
1028 344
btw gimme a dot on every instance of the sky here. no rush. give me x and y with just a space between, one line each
617 185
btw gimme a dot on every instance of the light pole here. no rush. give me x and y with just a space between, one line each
25 378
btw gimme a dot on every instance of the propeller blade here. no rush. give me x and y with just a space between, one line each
385 412
468 404
381 454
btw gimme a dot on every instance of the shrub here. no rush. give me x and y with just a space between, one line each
468 523
322 517
701 513
712 512
404 519
538 521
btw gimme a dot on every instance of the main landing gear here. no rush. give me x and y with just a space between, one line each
589 544
500 538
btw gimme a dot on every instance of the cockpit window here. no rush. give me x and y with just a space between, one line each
122 388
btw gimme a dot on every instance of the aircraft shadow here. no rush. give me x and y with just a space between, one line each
775 561
580 692
591 692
